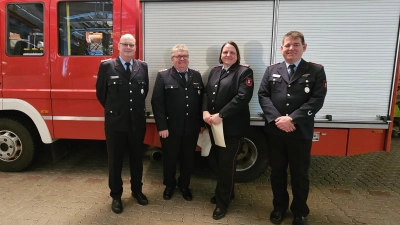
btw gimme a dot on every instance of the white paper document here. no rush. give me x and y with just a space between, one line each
218 134
204 142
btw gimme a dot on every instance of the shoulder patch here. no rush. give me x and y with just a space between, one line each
106 60
162 70
245 65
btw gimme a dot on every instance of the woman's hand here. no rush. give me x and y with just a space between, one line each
207 117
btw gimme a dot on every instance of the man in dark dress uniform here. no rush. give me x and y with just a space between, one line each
176 103
121 88
290 94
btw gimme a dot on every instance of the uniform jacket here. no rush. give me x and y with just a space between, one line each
123 95
229 94
300 97
176 105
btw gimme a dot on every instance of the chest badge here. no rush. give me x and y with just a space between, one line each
306 89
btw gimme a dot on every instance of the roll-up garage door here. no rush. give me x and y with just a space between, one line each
204 26
356 41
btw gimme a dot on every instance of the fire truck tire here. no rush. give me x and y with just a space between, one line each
253 160
17 146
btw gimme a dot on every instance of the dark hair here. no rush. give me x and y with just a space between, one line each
237 51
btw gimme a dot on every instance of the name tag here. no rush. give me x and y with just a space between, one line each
114 77
276 75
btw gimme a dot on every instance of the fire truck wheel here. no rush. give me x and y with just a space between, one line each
253 160
16 146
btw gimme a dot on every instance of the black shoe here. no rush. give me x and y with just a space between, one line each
116 206
140 197
276 216
168 192
213 200
218 213
187 195
299 220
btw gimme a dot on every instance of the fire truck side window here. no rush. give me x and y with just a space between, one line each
25 29
85 28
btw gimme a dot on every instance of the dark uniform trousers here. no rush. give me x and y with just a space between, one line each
287 150
225 159
174 148
117 144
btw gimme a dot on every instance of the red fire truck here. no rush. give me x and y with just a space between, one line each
51 49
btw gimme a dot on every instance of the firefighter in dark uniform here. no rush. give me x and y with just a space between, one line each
226 99
290 94
121 88
176 103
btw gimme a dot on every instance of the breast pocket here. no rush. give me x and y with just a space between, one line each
113 86
275 83
307 83
198 88
143 86
171 87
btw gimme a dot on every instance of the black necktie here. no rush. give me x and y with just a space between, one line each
183 77
222 72
128 69
291 69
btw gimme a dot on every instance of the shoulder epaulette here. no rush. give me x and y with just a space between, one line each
245 65
141 61
194 70
315 63
106 60
217 66
275 63
162 70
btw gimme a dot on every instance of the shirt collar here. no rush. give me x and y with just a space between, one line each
296 64
123 61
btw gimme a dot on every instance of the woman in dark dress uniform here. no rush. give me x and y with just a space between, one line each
226 99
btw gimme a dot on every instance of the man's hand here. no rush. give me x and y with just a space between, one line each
285 123
163 133
215 119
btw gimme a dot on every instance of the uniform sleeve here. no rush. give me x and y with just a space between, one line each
201 101
146 88
243 96
101 85
158 104
205 95
316 101
264 98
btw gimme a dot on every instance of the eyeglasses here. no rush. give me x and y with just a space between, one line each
128 45
181 56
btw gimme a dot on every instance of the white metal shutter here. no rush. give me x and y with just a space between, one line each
203 26
356 42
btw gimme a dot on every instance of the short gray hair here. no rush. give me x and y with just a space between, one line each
179 47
